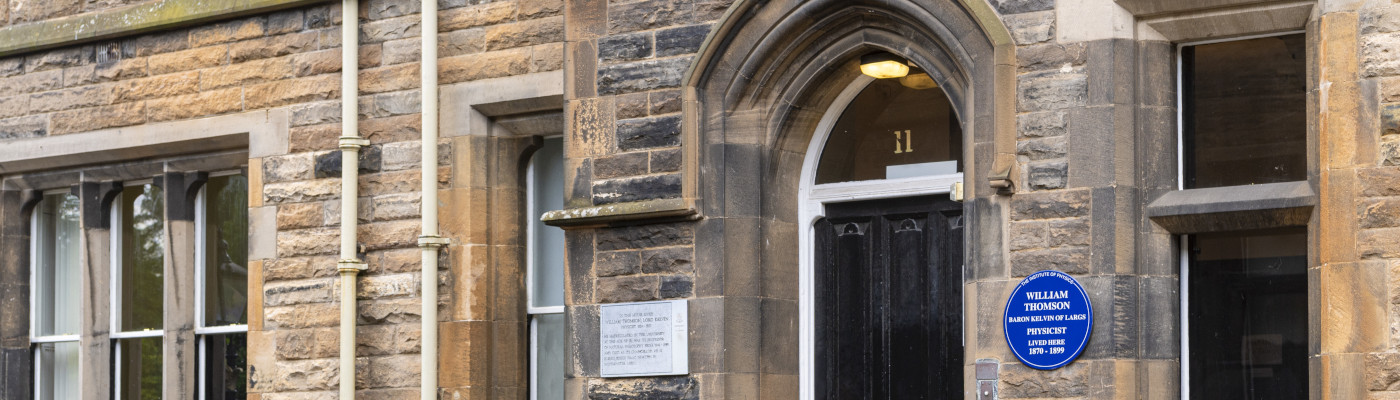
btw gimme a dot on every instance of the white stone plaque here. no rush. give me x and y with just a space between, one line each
643 339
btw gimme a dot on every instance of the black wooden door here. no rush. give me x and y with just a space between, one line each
889 300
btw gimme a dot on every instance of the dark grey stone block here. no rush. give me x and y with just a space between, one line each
626 164
645 236
707 348
614 263
328 164
642 75
1091 135
579 264
637 189
1105 217
779 354
1048 205
682 40
626 47
1161 302
665 161
743 177
668 260
1046 175
581 350
678 387
644 133
676 287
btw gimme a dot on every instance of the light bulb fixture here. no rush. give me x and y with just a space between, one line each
883 65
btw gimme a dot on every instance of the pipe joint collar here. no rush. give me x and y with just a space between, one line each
352 142
351 265
433 242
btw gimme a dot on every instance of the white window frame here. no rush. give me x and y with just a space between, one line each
116 266
201 331
813 199
35 340
532 310
1185 259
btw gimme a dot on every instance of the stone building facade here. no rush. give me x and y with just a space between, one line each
691 133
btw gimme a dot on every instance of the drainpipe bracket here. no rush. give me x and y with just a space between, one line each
433 241
353 142
351 265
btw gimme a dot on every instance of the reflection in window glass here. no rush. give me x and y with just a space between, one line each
1248 307
890 131
57 375
1244 118
226 366
139 368
546 274
143 261
547 193
226 251
56 255
548 353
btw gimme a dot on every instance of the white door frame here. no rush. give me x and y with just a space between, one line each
813 198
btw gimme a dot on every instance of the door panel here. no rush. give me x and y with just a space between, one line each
889 300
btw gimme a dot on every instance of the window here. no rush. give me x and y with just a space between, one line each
138 290
1244 118
545 273
221 222
1248 313
891 131
1243 137
55 253
140 241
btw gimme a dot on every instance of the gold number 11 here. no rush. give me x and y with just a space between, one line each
907 138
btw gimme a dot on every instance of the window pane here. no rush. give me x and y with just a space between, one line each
890 131
547 350
547 269
226 251
225 366
1244 117
142 288
1248 314
139 367
56 274
57 371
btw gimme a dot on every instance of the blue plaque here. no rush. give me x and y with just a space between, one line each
1048 319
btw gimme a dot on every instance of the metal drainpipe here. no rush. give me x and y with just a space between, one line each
350 144
430 242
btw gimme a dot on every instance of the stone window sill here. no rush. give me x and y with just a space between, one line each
1232 208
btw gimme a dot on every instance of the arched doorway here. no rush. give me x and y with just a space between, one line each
765 93
883 246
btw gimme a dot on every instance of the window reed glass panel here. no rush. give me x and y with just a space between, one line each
142 287
1245 112
225 366
139 368
547 269
226 251
56 276
57 371
1248 314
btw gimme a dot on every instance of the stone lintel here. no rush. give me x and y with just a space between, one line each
1234 207
263 133
1232 22
621 214
1142 8
130 20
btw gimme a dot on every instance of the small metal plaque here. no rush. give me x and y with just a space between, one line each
644 339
